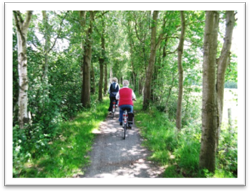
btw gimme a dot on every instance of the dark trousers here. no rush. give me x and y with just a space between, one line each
111 103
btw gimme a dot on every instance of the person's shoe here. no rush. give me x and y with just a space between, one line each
110 113
129 127
121 123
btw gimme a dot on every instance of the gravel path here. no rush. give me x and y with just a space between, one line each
113 157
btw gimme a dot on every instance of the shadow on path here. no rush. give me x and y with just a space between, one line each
112 156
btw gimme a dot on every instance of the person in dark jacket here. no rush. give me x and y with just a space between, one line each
113 89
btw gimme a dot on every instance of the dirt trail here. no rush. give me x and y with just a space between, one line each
112 156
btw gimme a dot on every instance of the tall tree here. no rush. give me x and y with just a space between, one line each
22 30
141 31
131 50
85 97
222 63
180 69
149 73
209 106
154 44
102 60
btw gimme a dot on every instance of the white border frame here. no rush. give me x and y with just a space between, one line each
9 7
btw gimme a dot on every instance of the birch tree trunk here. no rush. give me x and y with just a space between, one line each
180 69
22 29
222 62
209 106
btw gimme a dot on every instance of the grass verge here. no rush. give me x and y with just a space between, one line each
178 151
66 155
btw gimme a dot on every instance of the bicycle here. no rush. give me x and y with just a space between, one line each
113 108
126 122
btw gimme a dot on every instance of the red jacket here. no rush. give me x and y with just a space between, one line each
125 96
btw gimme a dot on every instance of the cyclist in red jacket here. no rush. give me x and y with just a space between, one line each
125 97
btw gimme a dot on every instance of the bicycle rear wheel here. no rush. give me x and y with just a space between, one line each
124 130
113 110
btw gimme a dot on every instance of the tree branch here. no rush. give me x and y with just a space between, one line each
17 21
161 36
82 18
20 24
172 51
136 32
102 13
27 19
58 33
20 17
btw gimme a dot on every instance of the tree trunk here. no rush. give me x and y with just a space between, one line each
209 106
134 81
22 29
149 73
169 92
140 86
110 74
154 79
82 18
222 62
101 62
47 45
85 98
105 78
92 79
180 69
133 74
44 80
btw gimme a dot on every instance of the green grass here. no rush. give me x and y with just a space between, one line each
158 133
178 151
67 154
